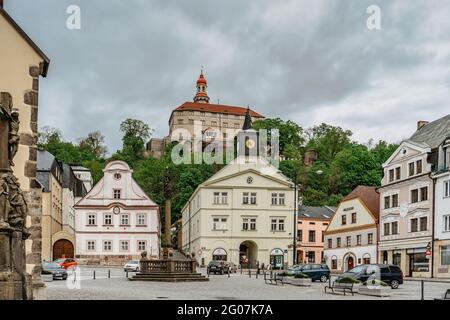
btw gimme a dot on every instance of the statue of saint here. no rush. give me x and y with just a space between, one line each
13 135
18 205
4 201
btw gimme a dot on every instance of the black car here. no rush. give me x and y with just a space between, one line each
314 271
217 266
390 274
57 271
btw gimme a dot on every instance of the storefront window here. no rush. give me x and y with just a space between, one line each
445 255
396 258
419 262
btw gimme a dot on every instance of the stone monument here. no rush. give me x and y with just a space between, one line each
15 284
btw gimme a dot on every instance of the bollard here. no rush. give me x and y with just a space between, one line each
249 273
329 281
422 289
257 274
228 272
127 274
109 273
241 267
94 275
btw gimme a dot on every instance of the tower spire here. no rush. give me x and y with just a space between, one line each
201 96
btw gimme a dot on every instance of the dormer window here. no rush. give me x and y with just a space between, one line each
117 194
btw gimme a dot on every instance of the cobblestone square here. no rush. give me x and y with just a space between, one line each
220 287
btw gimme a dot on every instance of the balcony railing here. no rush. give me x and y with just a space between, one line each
442 169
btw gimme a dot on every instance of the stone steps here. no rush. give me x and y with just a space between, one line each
169 277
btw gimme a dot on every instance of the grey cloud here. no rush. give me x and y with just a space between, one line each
299 60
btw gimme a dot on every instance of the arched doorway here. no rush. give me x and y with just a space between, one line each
219 254
63 249
248 254
348 261
277 259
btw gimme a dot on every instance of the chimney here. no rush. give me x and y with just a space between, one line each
420 124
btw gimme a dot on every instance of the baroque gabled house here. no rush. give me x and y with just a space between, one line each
352 235
116 221
407 198
22 64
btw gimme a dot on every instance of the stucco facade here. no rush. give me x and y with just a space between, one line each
21 66
241 215
351 237
406 197
116 220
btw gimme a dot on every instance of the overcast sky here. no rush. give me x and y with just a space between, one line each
308 61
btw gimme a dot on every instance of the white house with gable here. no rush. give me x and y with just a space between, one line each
116 220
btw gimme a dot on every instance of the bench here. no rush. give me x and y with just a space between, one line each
274 278
341 286
446 296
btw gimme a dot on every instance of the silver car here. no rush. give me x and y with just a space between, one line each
132 265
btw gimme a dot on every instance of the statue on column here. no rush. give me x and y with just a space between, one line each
13 136
4 202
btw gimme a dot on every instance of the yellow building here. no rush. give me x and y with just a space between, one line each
21 65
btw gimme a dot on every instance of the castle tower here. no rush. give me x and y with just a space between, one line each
201 95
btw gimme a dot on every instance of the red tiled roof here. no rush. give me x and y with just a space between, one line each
369 196
217 108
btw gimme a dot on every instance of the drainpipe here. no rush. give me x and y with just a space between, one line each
433 212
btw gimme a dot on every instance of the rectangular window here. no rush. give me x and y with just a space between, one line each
445 255
216 197
349 241
424 194
91 245
447 223
354 217
92 219
107 245
274 199
117 193
395 200
391 175
419 166
124 245
394 227
344 219
253 224
125 219
107 219
370 238
398 173
224 197
300 235
447 189
253 198
312 236
273 225
414 196
330 243
338 242
423 224
140 220
216 222
323 236
281 198
387 202
245 198
411 169
414 225
387 230
142 245
245 224
334 264
358 240
281 225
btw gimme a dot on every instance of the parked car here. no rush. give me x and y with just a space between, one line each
66 263
232 266
132 265
217 266
315 271
55 269
390 274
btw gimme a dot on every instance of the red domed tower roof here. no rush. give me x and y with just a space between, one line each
201 96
